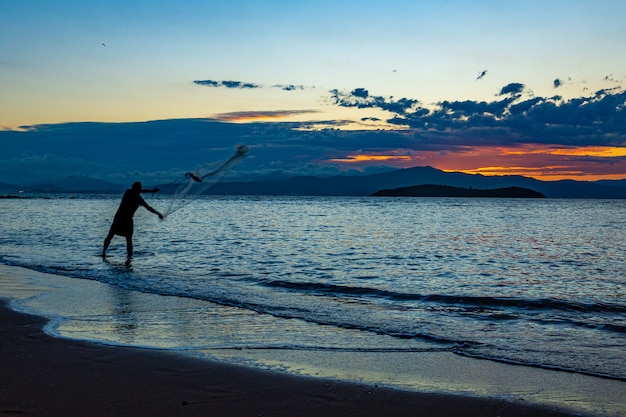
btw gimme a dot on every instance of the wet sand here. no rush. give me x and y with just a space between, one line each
46 376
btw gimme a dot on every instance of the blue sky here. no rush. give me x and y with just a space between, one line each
119 61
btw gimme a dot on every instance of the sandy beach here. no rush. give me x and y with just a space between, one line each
46 376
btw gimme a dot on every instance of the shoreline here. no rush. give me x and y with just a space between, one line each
43 375
373 383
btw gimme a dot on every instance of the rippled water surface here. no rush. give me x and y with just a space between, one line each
536 282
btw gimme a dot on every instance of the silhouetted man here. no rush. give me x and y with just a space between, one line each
123 221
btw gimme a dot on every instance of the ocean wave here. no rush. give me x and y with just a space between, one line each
459 300
124 278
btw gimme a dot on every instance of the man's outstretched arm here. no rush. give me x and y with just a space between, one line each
150 209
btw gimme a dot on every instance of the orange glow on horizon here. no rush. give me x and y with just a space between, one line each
544 173
543 169
547 173
542 162
598 151
371 158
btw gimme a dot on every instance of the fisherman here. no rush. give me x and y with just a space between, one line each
123 220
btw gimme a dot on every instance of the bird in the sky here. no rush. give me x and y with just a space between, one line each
481 75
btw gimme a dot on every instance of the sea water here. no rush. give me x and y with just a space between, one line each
532 282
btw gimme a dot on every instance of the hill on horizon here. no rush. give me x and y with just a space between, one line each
433 190
350 185
368 184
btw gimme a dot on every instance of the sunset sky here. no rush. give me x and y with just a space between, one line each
532 88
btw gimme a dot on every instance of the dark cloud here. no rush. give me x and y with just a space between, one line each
360 92
598 120
361 98
512 88
289 87
227 84
239 84
161 151
243 85
208 83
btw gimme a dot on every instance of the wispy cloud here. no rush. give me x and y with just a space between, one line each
260 115
612 79
227 84
361 98
289 87
246 85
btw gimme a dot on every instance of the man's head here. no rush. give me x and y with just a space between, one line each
137 186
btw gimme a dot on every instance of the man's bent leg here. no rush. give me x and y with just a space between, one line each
107 242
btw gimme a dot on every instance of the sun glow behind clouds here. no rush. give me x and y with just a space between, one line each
543 162
546 173
549 162
371 158
596 151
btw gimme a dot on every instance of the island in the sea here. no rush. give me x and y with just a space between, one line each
431 190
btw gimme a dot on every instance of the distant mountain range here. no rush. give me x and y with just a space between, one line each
73 184
354 185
